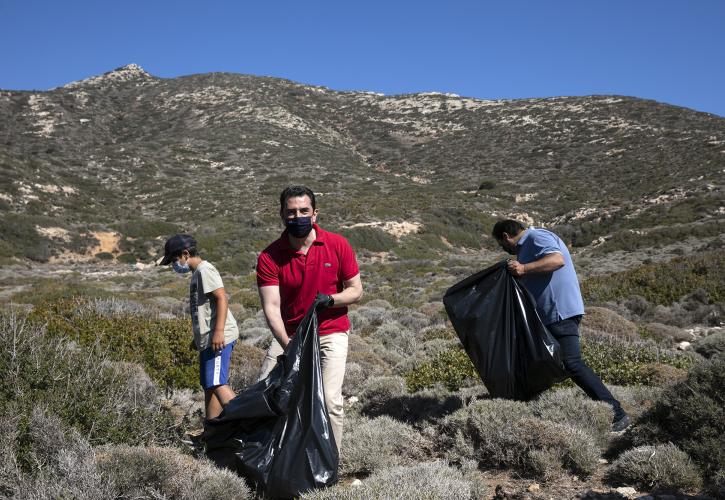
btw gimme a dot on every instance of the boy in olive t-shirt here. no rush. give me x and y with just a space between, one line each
215 330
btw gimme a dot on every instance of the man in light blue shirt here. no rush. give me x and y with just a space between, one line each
545 267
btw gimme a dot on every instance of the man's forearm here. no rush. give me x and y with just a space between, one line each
547 264
347 296
276 325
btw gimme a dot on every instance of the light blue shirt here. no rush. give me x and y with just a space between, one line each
557 294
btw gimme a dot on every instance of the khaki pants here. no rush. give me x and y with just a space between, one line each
333 355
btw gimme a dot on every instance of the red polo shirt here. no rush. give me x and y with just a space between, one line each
329 262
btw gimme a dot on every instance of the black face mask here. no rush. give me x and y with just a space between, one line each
299 227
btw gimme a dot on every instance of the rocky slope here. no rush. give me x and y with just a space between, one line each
138 156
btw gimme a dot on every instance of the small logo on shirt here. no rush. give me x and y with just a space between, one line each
327 264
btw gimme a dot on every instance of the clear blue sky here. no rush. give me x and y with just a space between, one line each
669 50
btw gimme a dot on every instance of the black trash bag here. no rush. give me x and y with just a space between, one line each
495 317
277 432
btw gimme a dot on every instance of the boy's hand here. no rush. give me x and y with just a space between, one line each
217 340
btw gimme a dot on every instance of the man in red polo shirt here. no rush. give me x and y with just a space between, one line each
291 271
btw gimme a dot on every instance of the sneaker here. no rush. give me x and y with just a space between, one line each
621 423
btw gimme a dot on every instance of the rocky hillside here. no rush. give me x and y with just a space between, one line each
132 157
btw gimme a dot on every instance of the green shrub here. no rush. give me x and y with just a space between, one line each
370 445
437 332
103 400
20 239
427 405
452 368
378 390
51 290
162 346
621 363
426 481
147 228
609 322
153 472
691 415
663 333
43 458
369 238
662 283
661 468
128 258
504 433
572 407
245 364
712 346
661 374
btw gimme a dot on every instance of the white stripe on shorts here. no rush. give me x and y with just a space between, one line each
217 369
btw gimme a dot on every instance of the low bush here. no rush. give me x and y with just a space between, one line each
636 399
661 468
245 364
369 238
620 362
370 445
411 319
609 322
361 353
394 338
163 346
662 283
425 406
377 391
355 378
429 481
502 433
572 407
437 332
153 472
662 333
452 368
712 346
105 401
691 415
46 459
661 374
368 317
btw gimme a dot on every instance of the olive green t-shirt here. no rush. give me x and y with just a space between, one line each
203 306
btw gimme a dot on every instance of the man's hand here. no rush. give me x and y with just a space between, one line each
217 340
324 301
516 268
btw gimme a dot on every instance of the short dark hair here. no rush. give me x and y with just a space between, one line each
294 192
508 226
193 252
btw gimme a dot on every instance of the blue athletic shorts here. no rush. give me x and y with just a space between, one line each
214 366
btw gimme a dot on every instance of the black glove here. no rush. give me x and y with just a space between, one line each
324 301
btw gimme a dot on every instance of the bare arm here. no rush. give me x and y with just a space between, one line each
351 293
547 264
271 305
222 305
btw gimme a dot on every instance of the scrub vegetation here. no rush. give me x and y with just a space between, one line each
98 377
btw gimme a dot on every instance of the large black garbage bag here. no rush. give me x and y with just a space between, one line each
495 317
277 432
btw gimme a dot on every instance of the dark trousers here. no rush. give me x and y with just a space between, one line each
566 332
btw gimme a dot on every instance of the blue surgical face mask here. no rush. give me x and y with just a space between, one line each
180 268
299 227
